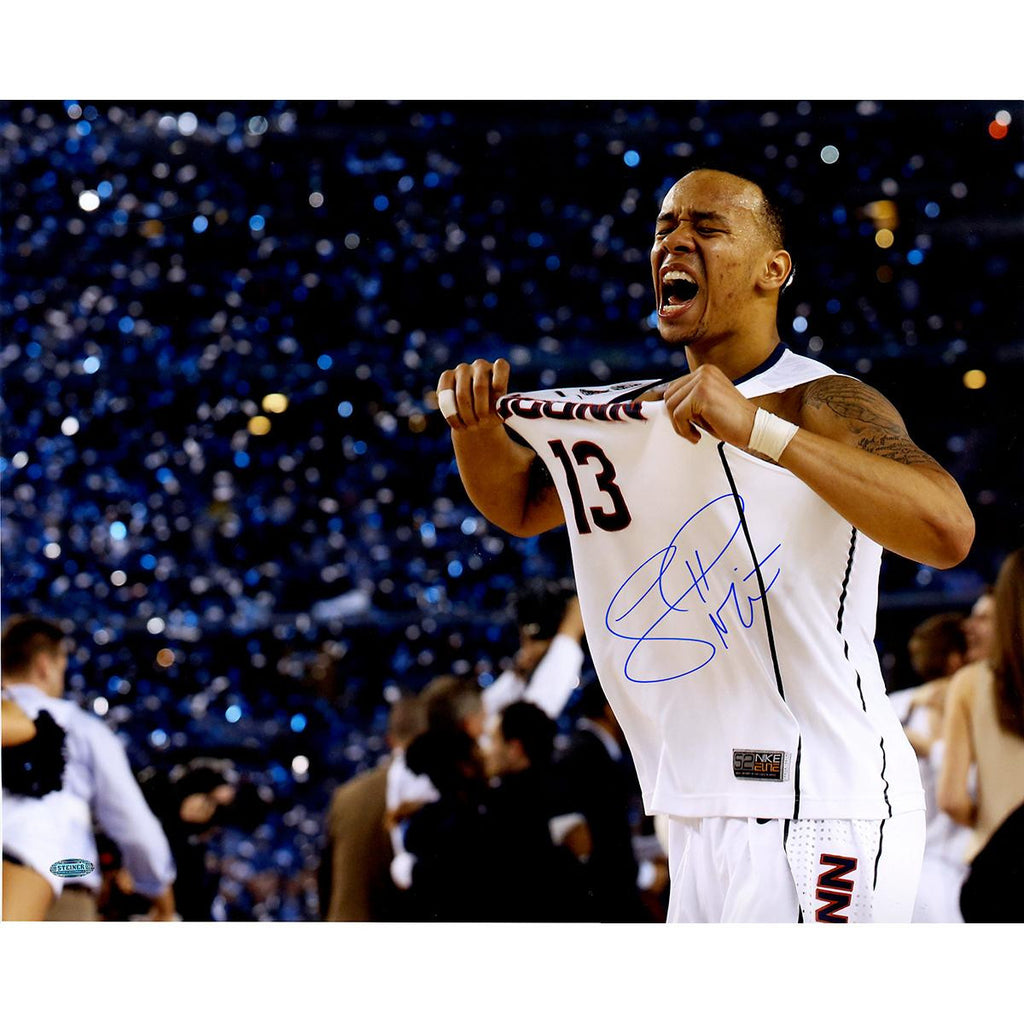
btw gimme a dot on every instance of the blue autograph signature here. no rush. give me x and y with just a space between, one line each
646 606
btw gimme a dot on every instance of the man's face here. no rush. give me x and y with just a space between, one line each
919 659
502 757
979 627
710 246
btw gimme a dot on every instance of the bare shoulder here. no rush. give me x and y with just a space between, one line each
965 682
850 411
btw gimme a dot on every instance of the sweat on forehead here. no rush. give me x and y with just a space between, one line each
728 189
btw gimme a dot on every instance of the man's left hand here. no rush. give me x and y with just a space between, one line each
706 398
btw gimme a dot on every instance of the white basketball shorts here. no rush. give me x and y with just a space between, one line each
770 870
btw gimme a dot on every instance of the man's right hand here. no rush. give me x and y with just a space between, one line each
495 469
473 393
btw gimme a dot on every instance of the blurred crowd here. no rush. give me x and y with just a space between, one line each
515 802
222 469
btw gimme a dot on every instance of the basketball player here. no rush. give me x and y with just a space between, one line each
726 529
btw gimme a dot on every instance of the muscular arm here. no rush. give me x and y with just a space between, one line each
855 453
500 476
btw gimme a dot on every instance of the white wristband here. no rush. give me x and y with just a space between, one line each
770 435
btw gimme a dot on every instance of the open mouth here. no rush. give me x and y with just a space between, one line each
678 288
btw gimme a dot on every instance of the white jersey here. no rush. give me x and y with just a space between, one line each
730 612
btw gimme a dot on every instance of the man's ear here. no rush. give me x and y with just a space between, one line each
41 664
778 271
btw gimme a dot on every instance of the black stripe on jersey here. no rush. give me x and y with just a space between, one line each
776 354
885 791
846 654
846 579
767 619
842 605
878 856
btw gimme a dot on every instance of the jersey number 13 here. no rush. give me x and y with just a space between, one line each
584 452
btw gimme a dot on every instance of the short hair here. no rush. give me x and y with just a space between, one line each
442 755
940 636
203 775
774 217
406 719
449 700
534 730
23 638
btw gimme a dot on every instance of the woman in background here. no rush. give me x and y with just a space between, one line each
984 726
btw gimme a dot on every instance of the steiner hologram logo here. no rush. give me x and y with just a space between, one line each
72 867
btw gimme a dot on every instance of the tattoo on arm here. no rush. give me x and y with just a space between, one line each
899 449
870 420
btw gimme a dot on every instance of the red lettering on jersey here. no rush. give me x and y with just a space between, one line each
833 878
834 901
538 408
834 889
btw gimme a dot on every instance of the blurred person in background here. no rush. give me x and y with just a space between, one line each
984 727
33 762
484 850
449 839
33 752
545 669
356 883
97 783
979 627
544 672
601 782
192 803
448 703
454 702
937 648
537 874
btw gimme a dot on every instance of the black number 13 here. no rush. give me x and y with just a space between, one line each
582 453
